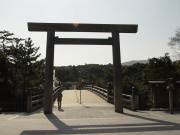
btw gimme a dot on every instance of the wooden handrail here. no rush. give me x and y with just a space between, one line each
36 100
129 101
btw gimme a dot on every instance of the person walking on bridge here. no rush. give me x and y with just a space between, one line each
59 100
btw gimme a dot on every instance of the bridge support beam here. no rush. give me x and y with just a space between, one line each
48 91
117 75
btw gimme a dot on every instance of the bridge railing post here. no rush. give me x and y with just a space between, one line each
92 85
170 87
134 101
108 92
29 101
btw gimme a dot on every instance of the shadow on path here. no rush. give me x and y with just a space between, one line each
151 124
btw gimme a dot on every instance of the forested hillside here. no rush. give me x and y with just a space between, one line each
133 77
156 69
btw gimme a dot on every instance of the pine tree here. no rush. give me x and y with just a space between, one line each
22 57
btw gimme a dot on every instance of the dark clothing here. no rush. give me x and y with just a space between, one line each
59 99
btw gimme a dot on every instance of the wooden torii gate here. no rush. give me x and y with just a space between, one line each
51 28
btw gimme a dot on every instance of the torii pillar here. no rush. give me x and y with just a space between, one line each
48 91
51 28
117 75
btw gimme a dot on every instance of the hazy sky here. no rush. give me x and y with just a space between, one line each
157 21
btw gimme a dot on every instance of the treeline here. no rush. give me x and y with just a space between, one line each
99 74
133 77
20 69
157 69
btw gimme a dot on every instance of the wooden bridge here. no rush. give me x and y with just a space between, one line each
89 94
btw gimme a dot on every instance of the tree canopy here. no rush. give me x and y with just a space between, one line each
20 61
159 68
175 43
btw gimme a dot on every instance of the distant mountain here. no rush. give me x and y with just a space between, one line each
129 63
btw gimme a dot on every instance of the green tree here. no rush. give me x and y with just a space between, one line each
5 41
36 79
159 68
129 87
175 43
22 57
22 54
6 78
134 72
108 73
176 65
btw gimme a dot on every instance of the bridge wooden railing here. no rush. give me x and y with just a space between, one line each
12 106
97 90
129 101
56 91
35 100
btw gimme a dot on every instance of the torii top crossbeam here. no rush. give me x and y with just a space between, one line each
75 27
